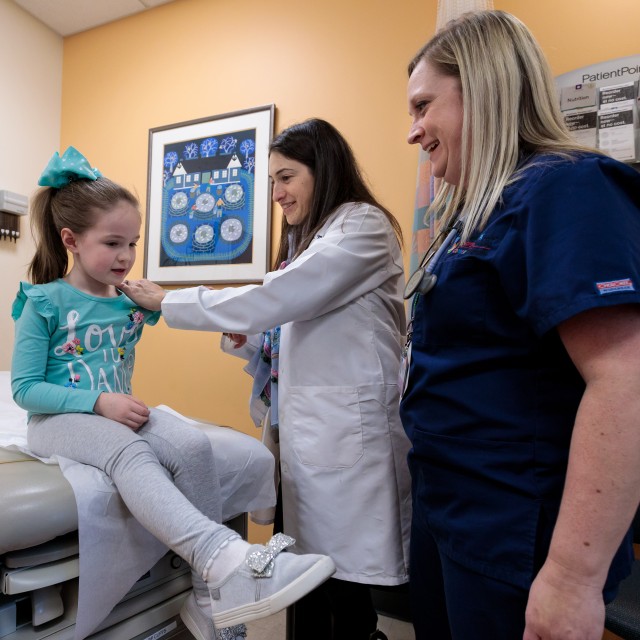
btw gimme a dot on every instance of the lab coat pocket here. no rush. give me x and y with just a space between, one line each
326 426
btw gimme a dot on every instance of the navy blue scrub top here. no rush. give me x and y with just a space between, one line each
492 394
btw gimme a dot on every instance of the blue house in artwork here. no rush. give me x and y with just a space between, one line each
214 170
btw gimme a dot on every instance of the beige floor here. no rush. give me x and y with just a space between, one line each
274 628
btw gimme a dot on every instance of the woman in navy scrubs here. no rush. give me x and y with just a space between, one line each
523 396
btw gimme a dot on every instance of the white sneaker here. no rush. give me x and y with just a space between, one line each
263 584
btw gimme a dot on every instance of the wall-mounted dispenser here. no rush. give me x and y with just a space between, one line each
12 206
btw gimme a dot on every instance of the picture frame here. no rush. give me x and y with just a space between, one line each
208 215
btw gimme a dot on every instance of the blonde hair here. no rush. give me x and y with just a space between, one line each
74 206
510 109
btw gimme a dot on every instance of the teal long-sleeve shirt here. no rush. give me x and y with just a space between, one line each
70 347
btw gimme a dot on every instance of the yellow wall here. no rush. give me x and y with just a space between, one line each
577 33
343 61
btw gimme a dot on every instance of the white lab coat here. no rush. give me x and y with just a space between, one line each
345 481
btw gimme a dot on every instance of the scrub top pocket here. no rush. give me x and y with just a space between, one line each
464 314
326 425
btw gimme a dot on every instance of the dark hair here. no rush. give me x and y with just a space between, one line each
74 206
337 180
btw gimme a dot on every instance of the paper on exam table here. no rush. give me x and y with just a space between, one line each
115 550
13 419
244 466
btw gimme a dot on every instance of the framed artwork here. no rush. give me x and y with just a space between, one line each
208 199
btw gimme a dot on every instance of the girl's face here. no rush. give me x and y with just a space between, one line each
104 254
435 105
292 187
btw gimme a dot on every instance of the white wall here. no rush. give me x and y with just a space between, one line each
30 115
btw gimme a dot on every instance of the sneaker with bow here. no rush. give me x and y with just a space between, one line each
266 582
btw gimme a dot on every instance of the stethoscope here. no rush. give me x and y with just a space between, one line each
423 279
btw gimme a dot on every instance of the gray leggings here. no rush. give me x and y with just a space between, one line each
165 473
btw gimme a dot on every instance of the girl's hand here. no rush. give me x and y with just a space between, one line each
144 292
238 339
122 408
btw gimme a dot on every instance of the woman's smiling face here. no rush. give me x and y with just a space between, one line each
435 106
292 186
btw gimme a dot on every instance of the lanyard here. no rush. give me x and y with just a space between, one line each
420 283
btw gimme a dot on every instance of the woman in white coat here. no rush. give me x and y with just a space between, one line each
337 298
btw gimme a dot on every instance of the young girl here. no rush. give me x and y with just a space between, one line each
72 366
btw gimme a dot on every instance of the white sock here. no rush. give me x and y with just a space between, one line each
201 593
226 559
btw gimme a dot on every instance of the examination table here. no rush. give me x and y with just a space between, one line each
40 548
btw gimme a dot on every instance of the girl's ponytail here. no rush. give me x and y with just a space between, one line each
51 260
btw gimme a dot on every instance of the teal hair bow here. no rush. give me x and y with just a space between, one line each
71 166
